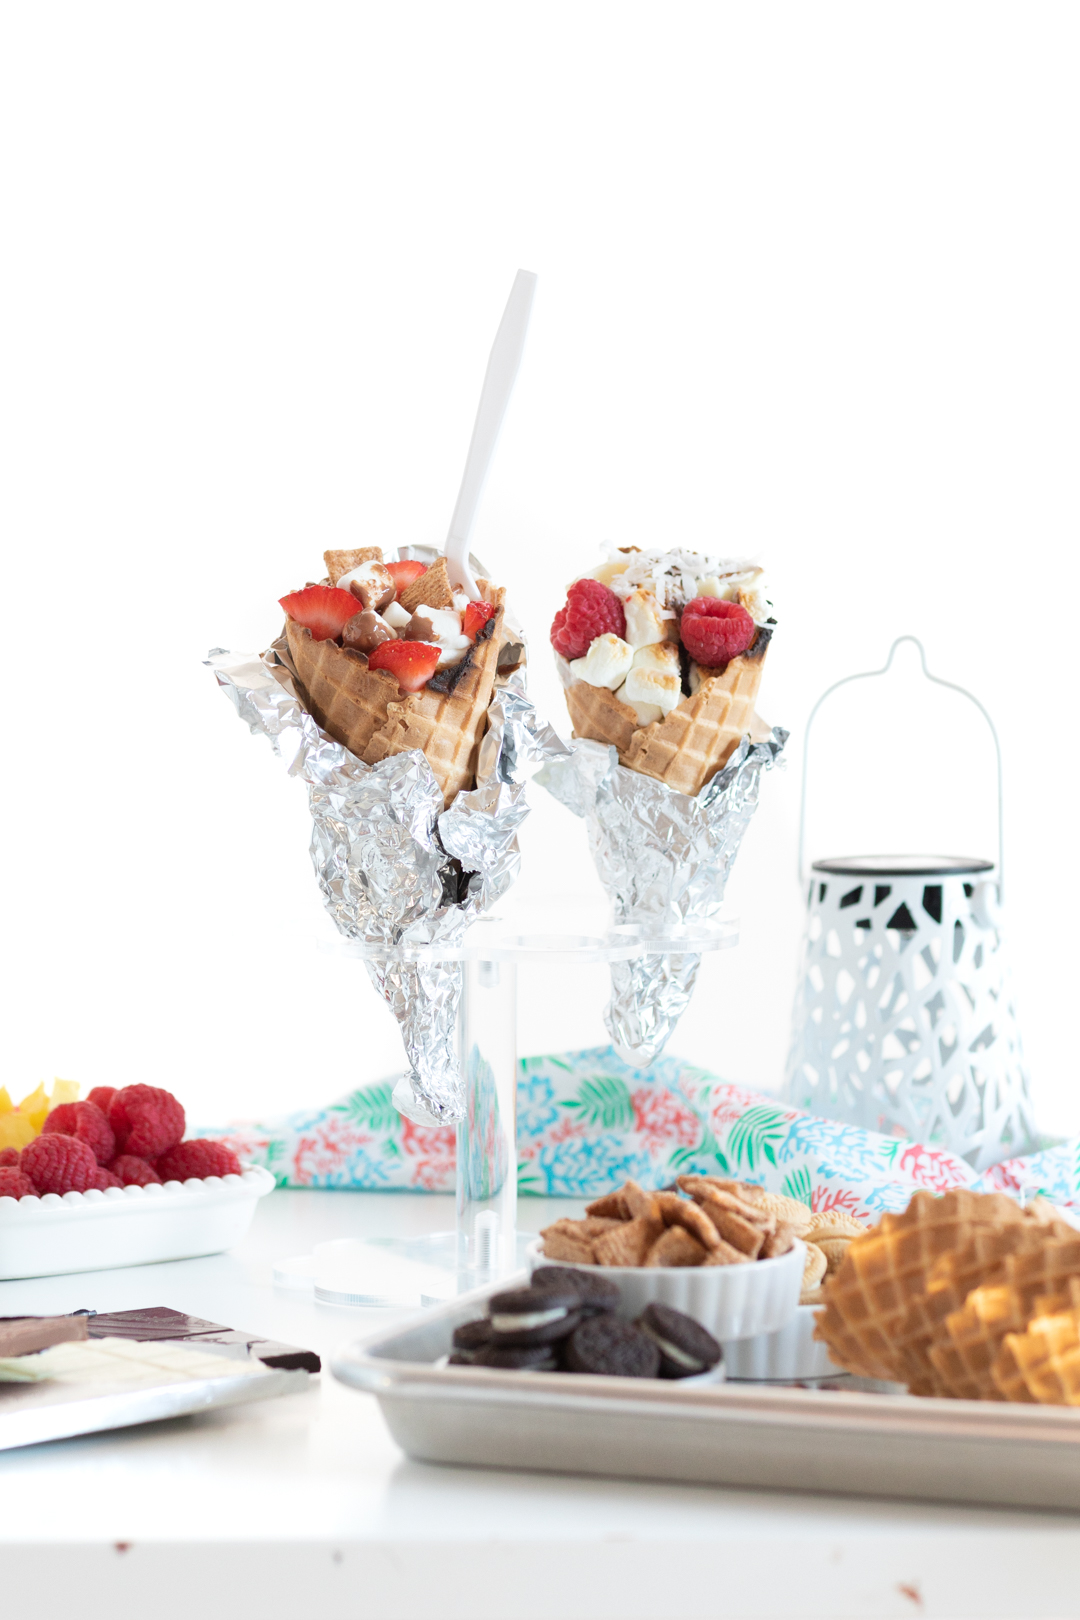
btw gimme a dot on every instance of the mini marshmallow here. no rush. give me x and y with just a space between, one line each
646 712
396 616
644 625
445 625
607 662
656 677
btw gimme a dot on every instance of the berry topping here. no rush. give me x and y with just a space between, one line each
591 610
9 1156
132 1172
713 632
13 1184
475 617
403 573
412 663
322 609
198 1159
58 1164
103 1096
105 1178
85 1121
147 1121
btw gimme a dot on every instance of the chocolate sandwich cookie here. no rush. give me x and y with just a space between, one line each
468 1339
595 1292
518 1357
612 1348
533 1315
686 1348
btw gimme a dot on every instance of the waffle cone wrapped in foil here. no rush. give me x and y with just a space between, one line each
664 859
396 867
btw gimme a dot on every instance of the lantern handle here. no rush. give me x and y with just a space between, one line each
869 674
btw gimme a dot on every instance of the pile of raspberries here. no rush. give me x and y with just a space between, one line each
126 1138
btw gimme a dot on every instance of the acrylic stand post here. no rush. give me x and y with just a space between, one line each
485 1244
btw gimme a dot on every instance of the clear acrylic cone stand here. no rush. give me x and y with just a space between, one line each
485 1245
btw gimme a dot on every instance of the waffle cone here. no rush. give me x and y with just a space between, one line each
968 1343
687 747
1043 1363
365 711
884 1271
952 1278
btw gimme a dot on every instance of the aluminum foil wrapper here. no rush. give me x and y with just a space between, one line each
394 867
664 860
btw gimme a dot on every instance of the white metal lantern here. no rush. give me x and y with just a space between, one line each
903 1020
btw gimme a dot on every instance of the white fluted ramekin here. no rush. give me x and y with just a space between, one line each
733 1302
127 1226
789 1353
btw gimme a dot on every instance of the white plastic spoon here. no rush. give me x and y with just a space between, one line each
499 381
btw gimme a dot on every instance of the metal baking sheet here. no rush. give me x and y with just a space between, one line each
32 1413
749 1435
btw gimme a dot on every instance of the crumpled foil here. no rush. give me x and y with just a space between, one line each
664 860
394 867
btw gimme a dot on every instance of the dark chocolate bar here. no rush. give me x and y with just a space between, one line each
22 1335
155 1322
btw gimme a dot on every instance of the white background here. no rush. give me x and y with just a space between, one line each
808 291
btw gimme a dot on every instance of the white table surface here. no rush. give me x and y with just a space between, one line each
304 1505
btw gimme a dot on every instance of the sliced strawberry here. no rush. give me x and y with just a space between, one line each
403 573
322 609
412 663
475 617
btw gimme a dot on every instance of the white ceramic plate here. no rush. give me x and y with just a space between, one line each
733 1302
790 1353
127 1226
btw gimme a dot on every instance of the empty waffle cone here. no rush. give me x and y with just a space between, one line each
951 1280
969 1341
365 710
886 1269
1043 1363
687 747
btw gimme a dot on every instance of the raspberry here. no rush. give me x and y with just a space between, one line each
714 632
132 1172
86 1121
58 1164
591 610
197 1158
105 1178
13 1184
147 1121
103 1096
9 1156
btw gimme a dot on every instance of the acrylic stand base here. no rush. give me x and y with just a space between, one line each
485 1244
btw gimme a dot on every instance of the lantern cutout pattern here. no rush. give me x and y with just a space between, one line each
903 1017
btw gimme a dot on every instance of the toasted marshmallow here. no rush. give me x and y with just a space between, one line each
396 616
745 586
440 627
646 712
607 662
644 622
656 677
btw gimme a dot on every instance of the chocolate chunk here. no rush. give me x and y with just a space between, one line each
366 631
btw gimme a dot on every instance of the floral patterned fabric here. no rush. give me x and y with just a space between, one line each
586 1121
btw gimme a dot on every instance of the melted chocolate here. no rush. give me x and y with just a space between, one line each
445 680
